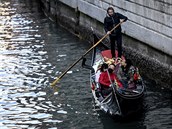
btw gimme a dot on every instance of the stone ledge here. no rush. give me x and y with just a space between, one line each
155 5
91 10
71 3
145 35
144 12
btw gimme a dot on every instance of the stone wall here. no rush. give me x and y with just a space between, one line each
149 21
147 32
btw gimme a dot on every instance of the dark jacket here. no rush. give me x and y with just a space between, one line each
112 21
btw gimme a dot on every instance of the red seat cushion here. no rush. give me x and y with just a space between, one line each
107 53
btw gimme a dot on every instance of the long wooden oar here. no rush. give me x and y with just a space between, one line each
58 78
114 91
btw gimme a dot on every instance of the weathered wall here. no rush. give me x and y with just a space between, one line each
149 21
147 32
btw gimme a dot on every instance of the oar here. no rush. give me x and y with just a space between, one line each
58 78
114 91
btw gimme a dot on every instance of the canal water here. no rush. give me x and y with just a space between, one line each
33 51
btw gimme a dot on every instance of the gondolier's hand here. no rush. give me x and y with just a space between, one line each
108 32
123 20
110 85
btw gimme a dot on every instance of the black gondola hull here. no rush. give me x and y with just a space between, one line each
116 104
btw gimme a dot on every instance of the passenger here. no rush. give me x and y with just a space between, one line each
109 61
117 64
128 74
105 81
114 61
101 68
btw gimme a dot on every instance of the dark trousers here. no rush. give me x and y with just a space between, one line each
113 40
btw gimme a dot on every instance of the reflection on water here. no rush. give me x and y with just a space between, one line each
33 51
29 56
22 104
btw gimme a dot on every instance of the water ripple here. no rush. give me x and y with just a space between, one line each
23 104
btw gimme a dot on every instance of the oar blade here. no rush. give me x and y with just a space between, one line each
55 82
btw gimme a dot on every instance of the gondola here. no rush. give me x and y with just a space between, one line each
117 104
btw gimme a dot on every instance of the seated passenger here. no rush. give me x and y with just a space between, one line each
109 61
105 82
100 69
128 74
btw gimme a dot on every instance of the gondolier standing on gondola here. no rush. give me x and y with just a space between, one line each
111 20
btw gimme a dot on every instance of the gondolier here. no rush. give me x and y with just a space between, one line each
111 20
